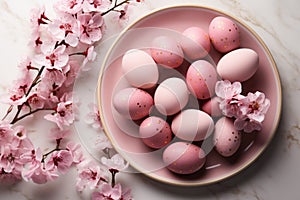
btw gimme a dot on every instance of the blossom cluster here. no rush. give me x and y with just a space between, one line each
63 47
249 111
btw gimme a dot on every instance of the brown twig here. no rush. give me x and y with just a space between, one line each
114 7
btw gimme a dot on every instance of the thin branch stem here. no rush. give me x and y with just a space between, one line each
77 54
113 176
16 119
7 112
34 82
115 6
53 150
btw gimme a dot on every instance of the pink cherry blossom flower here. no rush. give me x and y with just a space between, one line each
231 107
26 64
116 162
90 175
114 193
66 28
36 41
69 6
226 90
36 101
58 134
62 160
76 152
53 78
108 192
126 194
42 175
90 56
20 132
70 97
93 117
247 125
102 143
253 107
10 155
9 178
16 94
51 88
71 72
6 132
230 97
38 17
63 116
95 5
52 57
90 28
37 171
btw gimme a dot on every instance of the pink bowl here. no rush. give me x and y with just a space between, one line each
124 133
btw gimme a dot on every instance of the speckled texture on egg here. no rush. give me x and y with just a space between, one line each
195 43
224 34
201 78
226 138
167 52
133 103
184 158
155 132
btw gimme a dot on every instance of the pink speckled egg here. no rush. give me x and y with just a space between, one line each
195 43
184 158
238 65
224 34
201 78
167 52
212 107
133 103
226 138
171 96
155 132
139 69
192 125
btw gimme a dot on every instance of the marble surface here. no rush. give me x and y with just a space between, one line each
275 175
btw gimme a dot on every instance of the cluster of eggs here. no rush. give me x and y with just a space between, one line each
171 96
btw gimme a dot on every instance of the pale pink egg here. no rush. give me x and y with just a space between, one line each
195 43
184 158
171 96
201 78
192 125
224 34
133 103
226 138
212 107
139 69
167 52
155 132
238 65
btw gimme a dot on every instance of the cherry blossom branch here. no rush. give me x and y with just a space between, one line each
38 89
57 148
34 82
115 6
28 114
7 112
113 176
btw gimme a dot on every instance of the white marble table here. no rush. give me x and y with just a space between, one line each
275 175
